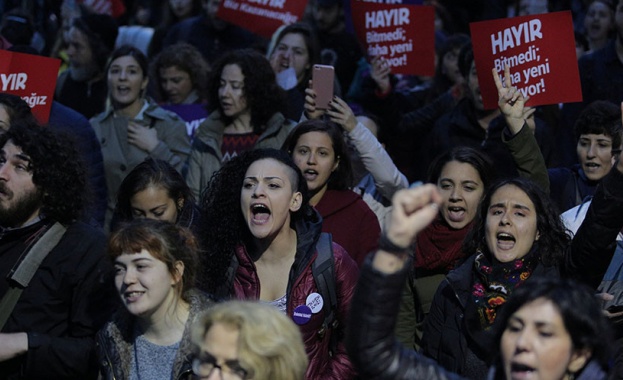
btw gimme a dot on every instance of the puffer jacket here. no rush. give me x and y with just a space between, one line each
115 342
206 157
586 259
120 157
300 285
375 351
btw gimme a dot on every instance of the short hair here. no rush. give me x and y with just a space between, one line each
601 117
152 173
553 240
165 241
58 170
186 58
270 345
311 42
480 161
263 95
578 308
342 177
16 108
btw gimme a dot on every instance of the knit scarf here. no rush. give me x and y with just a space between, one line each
439 246
495 281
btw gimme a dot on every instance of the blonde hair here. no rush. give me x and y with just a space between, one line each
270 345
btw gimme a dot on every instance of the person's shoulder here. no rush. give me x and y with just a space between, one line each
81 233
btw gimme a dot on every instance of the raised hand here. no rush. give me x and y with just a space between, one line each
511 101
341 113
380 73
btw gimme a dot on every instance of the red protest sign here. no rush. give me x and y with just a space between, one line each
540 51
402 34
262 17
30 77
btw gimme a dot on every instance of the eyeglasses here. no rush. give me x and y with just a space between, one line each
229 370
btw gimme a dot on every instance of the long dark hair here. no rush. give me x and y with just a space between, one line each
263 95
224 226
554 238
342 177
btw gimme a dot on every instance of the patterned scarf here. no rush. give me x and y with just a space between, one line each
494 282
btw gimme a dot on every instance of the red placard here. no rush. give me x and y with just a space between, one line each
262 17
540 51
403 34
30 77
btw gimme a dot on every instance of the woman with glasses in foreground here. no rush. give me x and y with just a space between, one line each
247 340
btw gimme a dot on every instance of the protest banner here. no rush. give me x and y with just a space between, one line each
262 17
348 14
403 34
540 51
30 77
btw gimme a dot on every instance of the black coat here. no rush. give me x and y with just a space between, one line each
68 300
586 259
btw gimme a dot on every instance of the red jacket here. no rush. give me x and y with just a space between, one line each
300 285
352 223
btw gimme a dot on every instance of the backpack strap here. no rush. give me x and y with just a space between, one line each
323 270
26 269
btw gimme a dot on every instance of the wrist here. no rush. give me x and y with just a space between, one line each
385 244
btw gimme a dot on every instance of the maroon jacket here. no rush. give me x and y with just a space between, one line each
352 223
300 285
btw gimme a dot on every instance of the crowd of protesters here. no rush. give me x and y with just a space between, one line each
192 210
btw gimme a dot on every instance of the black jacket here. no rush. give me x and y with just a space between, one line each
445 338
68 300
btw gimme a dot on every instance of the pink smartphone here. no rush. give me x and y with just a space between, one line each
322 84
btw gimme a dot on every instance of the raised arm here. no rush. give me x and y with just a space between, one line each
387 178
370 337
519 138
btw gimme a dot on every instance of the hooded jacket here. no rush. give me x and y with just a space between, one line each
300 285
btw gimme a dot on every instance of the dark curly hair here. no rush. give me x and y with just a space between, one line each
578 307
554 238
600 117
223 223
165 241
153 172
186 58
57 169
263 95
342 177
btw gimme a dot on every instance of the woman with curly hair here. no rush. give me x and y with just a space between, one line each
517 236
180 74
246 106
261 240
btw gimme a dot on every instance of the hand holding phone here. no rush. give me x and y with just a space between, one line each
322 84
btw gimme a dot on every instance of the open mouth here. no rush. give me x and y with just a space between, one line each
456 214
132 296
310 174
123 90
505 240
260 212
521 371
